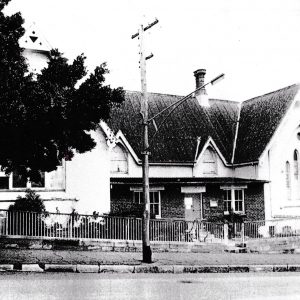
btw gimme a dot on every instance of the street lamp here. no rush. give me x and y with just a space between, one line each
147 253
180 101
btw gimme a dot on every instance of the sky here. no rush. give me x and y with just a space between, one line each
254 42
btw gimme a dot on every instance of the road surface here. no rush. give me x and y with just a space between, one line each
149 286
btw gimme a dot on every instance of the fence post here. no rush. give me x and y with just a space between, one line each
71 226
243 233
225 233
6 221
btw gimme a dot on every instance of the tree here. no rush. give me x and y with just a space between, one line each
46 117
32 202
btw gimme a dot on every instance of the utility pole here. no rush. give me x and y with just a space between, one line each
147 253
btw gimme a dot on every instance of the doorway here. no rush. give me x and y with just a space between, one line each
193 207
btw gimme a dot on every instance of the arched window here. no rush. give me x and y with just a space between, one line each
118 161
288 180
296 164
209 161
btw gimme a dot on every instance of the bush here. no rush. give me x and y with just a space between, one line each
31 202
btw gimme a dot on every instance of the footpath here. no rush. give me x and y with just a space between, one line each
95 261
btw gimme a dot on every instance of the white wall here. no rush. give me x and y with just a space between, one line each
37 60
272 165
88 178
246 171
87 183
174 171
221 169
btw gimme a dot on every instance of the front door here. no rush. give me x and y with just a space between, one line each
193 206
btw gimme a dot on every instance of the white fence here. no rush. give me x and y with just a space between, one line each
276 228
75 226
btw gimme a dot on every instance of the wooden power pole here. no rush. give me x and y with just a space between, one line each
147 253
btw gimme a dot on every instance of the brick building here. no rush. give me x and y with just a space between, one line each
210 158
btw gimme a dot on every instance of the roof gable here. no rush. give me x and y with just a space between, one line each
34 40
176 141
259 119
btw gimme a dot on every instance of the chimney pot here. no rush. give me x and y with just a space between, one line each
201 94
200 77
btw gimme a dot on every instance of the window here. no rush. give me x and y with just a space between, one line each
154 204
233 200
138 197
288 180
19 180
54 180
4 182
155 209
239 200
209 161
40 183
118 161
227 200
296 165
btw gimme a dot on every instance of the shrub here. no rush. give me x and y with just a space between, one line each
30 202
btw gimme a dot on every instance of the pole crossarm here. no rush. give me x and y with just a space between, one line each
145 28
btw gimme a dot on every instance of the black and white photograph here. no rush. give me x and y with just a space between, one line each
150 149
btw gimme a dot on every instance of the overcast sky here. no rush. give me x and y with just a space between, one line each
256 43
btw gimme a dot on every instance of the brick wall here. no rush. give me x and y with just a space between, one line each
172 202
254 202
122 204
253 197
213 214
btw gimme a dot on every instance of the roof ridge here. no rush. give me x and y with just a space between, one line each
224 100
154 93
166 94
284 88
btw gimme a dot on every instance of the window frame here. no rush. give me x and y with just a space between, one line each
296 164
140 200
232 192
288 181
210 165
114 161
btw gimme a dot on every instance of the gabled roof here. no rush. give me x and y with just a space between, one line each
176 141
259 119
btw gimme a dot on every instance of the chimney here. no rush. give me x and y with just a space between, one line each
201 94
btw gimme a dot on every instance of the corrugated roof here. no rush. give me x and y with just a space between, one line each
260 117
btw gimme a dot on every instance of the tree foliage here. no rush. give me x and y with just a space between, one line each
30 202
46 117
